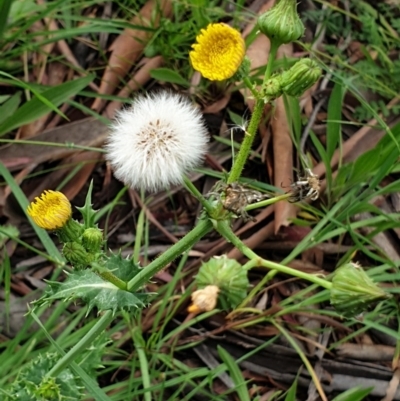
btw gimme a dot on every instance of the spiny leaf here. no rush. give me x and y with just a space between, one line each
33 385
124 269
93 290
86 210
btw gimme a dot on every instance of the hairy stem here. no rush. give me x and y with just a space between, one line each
191 238
255 261
196 193
250 134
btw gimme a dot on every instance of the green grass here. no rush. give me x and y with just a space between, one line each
145 353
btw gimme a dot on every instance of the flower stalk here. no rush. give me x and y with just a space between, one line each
191 238
224 229
245 147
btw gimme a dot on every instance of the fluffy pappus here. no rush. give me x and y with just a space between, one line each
157 140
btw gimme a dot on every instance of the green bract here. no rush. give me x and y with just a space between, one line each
300 77
282 23
229 276
271 89
76 254
353 290
92 239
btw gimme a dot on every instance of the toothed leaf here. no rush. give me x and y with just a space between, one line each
33 385
93 290
88 213
124 269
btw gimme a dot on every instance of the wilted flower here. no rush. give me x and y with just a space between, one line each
51 210
156 141
204 300
218 53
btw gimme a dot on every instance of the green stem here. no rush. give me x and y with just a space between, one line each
224 229
267 202
245 147
271 59
84 343
201 229
250 134
108 276
196 193
250 86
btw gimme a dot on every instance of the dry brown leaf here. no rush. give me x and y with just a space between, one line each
283 162
74 186
362 141
65 49
257 52
254 240
81 178
128 47
141 77
56 76
392 387
87 132
219 105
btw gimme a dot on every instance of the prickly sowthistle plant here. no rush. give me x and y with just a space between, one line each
153 145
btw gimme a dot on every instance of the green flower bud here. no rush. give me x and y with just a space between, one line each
71 231
300 77
271 89
92 239
76 254
229 276
353 290
282 23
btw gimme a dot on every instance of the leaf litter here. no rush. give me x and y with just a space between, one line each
351 354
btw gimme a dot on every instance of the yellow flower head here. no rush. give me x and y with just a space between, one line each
218 53
51 210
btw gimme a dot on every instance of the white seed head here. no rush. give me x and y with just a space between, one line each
155 141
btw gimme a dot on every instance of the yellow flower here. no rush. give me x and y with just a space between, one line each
218 53
51 210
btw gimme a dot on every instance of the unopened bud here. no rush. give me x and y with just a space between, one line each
92 239
282 23
353 290
229 276
71 231
271 89
204 300
300 77
76 254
